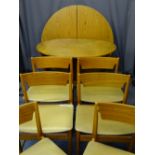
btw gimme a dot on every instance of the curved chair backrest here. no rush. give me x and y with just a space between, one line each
26 112
116 112
50 62
54 63
103 79
96 63
77 21
45 78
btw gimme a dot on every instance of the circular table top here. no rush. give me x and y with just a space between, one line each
76 47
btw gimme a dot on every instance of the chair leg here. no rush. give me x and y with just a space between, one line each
77 143
131 144
70 142
20 147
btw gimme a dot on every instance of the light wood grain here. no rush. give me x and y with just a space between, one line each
112 111
116 124
117 112
50 78
103 80
45 78
76 47
61 25
26 113
50 62
93 25
109 63
77 21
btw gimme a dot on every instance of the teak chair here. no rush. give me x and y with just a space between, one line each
47 87
102 87
54 63
97 87
96 64
27 113
112 123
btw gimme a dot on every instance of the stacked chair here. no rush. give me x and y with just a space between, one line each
101 112
119 113
94 85
54 92
27 112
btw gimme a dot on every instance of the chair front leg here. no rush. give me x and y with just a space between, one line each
77 143
131 144
20 147
70 142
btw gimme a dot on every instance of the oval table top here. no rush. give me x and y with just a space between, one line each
76 47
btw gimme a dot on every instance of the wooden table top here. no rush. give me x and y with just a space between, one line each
76 47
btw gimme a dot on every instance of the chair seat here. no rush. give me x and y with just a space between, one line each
48 93
44 147
84 123
54 118
101 94
101 149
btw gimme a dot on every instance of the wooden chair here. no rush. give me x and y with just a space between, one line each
27 113
97 87
54 63
89 64
47 87
112 123
77 21
102 87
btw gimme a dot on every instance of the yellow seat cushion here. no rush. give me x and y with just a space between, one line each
84 123
101 94
54 118
48 93
95 148
44 147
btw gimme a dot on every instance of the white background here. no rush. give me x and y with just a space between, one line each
145 77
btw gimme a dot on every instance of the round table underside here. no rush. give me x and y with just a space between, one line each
76 48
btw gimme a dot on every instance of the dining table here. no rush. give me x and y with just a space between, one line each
75 48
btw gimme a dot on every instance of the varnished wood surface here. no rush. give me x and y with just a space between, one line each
77 21
76 47
86 63
92 24
62 24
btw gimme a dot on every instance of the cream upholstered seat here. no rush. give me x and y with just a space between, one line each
105 88
54 118
44 147
101 94
48 93
95 148
102 87
84 123
28 112
110 121
47 86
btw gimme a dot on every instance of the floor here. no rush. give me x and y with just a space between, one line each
63 145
